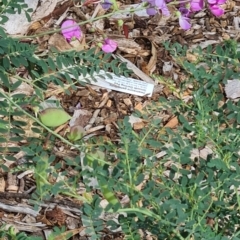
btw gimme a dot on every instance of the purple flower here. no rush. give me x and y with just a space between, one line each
165 10
155 5
221 2
196 5
151 11
109 45
212 1
215 8
106 4
216 2
184 11
70 30
184 22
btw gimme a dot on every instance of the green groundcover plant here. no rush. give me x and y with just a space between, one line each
174 191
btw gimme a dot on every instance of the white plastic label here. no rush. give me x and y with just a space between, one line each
121 84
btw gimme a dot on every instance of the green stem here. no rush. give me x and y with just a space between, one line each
128 166
115 6
81 23
150 214
39 122
4 8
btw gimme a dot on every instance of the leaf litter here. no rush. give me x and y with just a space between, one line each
101 108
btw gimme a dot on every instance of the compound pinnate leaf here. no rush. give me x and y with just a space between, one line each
53 117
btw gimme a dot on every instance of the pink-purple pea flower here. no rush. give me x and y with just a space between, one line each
196 5
106 4
184 20
215 7
155 5
70 30
109 45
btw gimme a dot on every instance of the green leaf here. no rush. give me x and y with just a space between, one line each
2 33
185 123
238 117
3 19
5 79
54 117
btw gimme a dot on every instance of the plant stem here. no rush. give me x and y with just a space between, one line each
39 122
81 23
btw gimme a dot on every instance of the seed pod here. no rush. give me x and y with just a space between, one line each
53 117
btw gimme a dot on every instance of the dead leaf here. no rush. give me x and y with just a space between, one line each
203 153
172 123
45 8
109 103
18 23
131 47
80 44
232 89
127 43
167 68
110 120
43 219
210 222
12 183
139 107
58 11
34 27
205 44
128 102
59 42
81 117
138 125
139 22
136 70
2 184
191 57
56 216
99 24
24 88
151 66
54 90
133 120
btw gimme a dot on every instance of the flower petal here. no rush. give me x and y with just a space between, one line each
159 3
184 23
196 5
221 2
151 11
165 10
216 10
212 1
184 11
70 29
109 45
106 4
